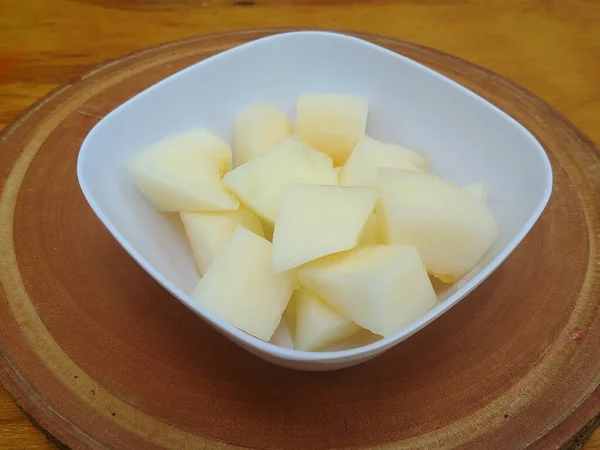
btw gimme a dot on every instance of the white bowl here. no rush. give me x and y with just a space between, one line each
467 138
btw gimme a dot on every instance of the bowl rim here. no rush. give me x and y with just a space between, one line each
274 350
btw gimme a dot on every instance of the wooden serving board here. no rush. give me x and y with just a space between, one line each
101 356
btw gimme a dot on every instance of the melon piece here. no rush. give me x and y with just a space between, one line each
241 287
205 141
268 228
372 234
258 183
193 143
382 288
316 324
332 123
258 128
289 315
183 173
370 154
447 279
479 190
315 221
451 228
208 232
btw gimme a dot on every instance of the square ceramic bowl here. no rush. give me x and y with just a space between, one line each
467 138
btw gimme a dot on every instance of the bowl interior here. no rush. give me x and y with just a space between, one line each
467 138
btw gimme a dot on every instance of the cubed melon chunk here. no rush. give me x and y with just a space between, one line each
183 173
382 288
370 154
241 287
372 234
192 143
289 316
258 128
332 123
315 221
258 183
478 189
208 232
316 324
268 228
451 228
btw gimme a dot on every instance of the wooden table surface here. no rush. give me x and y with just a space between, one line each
551 47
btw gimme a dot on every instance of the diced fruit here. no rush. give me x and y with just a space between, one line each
208 232
451 228
258 183
258 128
479 190
316 324
182 173
370 154
446 278
381 288
241 287
268 228
362 234
289 315
332 123
372 234
315 221
193 143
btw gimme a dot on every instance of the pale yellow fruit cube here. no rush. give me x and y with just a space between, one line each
372 233
479 190
382 288
268 228
258 183
451 228
183 173
241 287
314 221
332 123
258 128
289 316
208 232
316 324
191 144
371 154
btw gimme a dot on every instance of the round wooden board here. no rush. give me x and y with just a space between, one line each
101 356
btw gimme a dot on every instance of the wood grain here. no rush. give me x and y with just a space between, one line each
16 428
550 47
